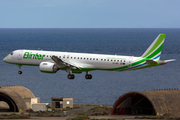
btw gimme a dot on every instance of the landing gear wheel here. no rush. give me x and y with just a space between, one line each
88 76
71 76
19 72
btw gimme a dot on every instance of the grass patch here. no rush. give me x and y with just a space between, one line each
53 113
98 110
81 117
14 116
84 117
165 116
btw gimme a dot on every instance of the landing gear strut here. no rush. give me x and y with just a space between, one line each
19 72
70 75
88 76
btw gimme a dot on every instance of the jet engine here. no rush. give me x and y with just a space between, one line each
48 67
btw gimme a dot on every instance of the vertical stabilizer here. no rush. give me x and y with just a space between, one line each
154 50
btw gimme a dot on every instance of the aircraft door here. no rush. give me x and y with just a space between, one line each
130 61
19 54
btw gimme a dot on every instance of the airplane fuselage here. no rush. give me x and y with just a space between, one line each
52 61
84 60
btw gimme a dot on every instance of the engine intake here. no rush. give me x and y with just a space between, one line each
48 67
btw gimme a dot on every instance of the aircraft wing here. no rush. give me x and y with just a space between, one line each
66 63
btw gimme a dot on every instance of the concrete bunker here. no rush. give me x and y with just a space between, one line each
14 98
148 103
61 102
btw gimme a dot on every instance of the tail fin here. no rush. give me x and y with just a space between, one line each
154 50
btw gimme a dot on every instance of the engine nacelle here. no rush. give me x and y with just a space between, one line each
48 67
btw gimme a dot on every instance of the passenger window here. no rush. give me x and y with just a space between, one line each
107 59
114 60
71 57
87 58
124 61
90 58
117 60
84 58
78 58
81 57
74 57
96 58
64 56
101 59
111 60
93 58
104 59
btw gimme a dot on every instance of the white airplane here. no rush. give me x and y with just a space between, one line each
52 61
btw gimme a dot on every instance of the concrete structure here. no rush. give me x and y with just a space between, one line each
61 102
16 99
39 106
148 103
30 101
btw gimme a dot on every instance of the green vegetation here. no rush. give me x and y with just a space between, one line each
52 113
81 117
97 110
149 117
107 119
14 116
165 116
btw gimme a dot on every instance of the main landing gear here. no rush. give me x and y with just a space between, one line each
88 76
71 76
19 72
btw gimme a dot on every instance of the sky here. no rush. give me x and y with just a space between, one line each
89 14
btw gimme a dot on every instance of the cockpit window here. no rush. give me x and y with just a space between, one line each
11 53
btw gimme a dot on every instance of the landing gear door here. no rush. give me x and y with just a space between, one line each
19 54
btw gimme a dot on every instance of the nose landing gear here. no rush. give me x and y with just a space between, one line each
19 72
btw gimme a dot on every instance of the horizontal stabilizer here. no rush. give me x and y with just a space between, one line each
160 62
151 62
170 60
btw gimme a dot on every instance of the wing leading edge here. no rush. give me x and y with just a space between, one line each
63 62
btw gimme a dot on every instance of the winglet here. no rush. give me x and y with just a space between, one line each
154 50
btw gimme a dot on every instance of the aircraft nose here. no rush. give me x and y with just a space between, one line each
4 59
